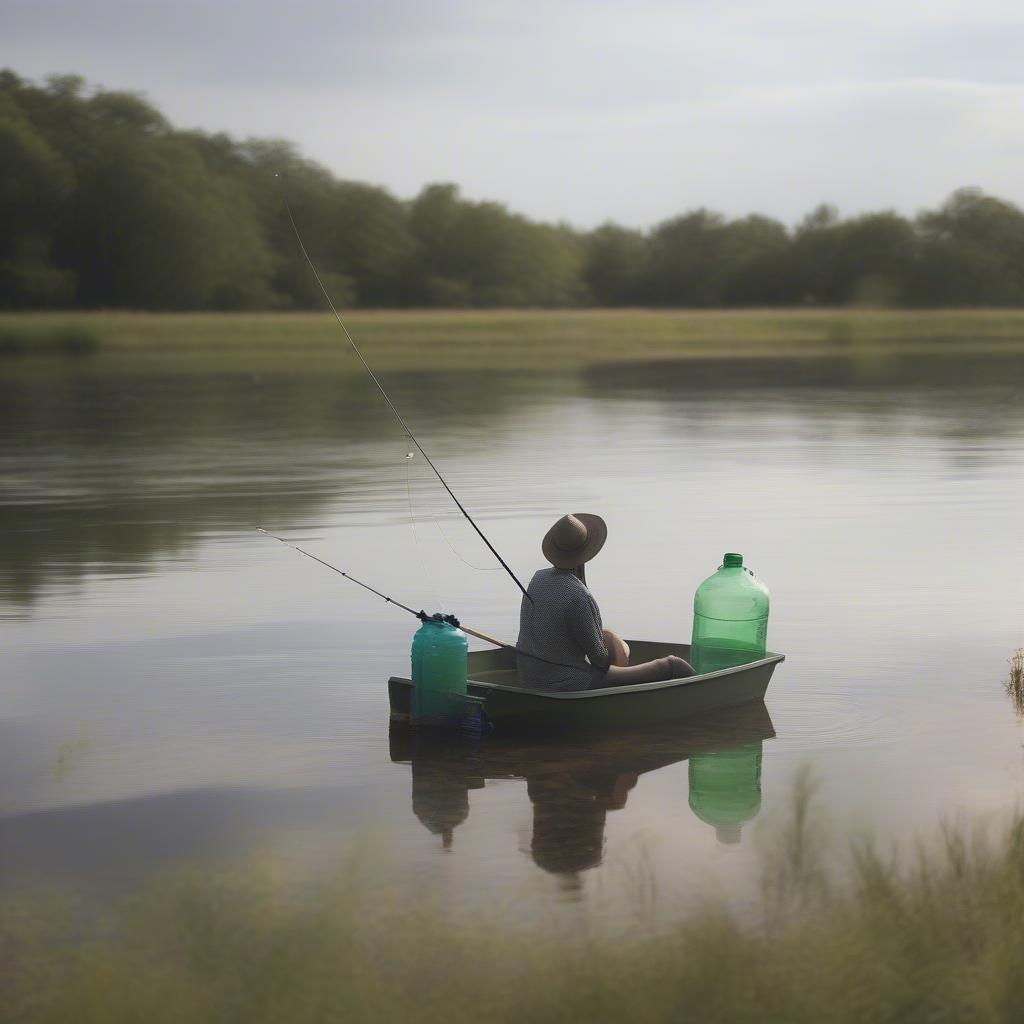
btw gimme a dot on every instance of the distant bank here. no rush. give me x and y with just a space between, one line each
496 339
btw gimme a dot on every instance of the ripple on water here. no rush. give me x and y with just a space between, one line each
816 719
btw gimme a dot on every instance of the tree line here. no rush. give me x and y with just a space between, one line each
104 204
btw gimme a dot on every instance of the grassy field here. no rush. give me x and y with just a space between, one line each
854 938
500 339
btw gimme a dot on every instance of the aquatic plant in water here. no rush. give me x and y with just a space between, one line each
1015 681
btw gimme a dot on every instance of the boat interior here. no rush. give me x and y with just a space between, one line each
498 665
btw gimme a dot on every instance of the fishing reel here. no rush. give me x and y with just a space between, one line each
437 617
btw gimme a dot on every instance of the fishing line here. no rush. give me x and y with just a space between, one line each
431 579
436 519
341 572
391 405
421 614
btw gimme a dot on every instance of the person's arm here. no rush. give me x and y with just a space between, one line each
585 629
618 649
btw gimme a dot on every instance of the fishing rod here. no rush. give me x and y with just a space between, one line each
421 615
391 405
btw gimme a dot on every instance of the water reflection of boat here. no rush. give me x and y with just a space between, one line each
574 783
494 679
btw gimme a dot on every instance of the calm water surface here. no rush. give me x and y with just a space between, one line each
177 688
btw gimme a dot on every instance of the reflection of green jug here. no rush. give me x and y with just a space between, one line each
725 789
730 618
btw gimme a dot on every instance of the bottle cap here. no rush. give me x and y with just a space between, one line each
731 560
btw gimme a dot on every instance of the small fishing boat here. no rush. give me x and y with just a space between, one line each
493 680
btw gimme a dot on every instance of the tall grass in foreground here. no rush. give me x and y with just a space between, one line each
932 936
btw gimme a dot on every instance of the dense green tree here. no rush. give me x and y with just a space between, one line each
755 256
35 182
135 217
867 260
972 253
685 264
150 226
814 255
368 240
272 169
614 264
479 254
876 256
104 203
555 256
440 270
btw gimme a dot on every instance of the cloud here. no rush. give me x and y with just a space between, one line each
579 108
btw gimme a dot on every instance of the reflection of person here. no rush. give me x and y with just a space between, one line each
562 645
569 814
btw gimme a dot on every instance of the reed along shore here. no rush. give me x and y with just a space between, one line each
846 932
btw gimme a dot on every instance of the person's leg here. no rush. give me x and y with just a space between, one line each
656 671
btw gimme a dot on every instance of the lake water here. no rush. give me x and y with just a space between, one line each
177 688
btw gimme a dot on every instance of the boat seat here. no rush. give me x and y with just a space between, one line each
501 676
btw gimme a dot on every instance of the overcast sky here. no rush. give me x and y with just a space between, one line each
578 110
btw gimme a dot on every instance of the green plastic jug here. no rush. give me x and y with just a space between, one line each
730 618
439 651
725 789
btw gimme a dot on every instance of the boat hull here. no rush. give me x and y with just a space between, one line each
492 678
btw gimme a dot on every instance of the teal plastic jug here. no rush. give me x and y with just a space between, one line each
730 618
439 651
725 789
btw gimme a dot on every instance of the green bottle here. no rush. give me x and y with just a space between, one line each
730 618
439 652
725 789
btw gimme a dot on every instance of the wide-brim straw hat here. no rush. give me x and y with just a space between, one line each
574 539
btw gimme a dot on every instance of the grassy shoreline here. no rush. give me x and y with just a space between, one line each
841 934
501 339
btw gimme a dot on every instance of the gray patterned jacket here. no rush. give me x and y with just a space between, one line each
562 626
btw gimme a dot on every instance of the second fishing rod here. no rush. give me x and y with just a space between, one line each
421 614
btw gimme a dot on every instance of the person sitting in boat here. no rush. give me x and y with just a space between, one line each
562 644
